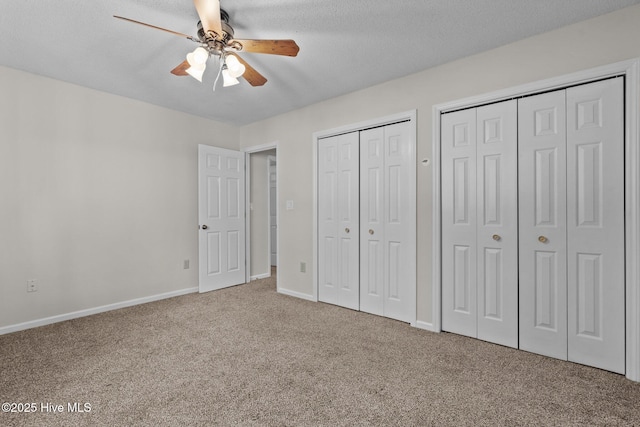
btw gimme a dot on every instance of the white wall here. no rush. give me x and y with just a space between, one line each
98 197
603 40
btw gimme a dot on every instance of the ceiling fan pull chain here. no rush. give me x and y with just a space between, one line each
219 71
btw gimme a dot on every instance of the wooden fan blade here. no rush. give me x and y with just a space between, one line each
153 26
209 13
181 70
250 74
273 47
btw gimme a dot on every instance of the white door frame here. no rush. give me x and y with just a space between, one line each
382 121
248 151
631 70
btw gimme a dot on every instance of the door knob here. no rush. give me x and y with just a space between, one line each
204 227
371 232
496 237
543 239
346 230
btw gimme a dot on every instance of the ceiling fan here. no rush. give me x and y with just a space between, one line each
215 37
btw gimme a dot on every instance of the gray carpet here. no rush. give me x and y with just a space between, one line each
249 356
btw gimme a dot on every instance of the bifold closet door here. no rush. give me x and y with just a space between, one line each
497 237
338 232
542 161
595 224
459 248
387 222
479 223
571 175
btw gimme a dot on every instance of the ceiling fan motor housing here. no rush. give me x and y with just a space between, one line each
216 45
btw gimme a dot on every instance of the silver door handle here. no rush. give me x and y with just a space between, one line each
346 230
371 232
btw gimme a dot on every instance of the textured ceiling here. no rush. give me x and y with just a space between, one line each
345 45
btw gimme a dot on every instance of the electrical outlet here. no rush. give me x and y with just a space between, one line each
32 285
185 265
303 267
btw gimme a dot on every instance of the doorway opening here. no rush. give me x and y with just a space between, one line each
262 213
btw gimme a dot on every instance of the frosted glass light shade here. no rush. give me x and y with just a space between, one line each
198 57
198 61
227 78
236 69
196 72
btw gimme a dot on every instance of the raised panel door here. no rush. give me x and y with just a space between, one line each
348 221
542 224
328 270
399 223
497 223
372 219
338 251
595 225
387 222
459 222
221 217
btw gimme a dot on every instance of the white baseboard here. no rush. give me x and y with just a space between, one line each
89 311
424 325
296 294
260 276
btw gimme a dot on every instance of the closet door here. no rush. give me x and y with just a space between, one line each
533 245
479 223
338 252
543 228
387 222
372 246
572 255
497 223
399 223
595 224
459 247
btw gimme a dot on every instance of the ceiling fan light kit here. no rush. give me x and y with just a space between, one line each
198 57
236 69
198 62
215 37
196 72
227 78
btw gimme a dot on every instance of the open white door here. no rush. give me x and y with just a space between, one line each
273 211
221 214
